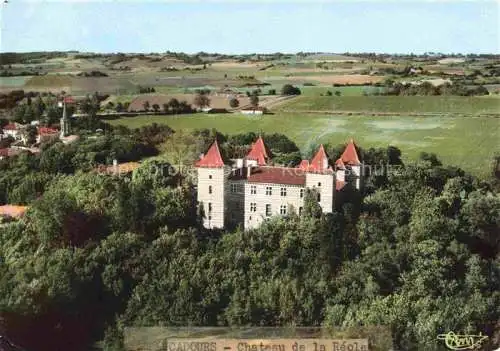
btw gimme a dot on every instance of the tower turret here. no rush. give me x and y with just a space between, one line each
319 176
212 187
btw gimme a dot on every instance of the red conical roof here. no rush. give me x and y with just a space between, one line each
259 152
212 159
304 165
350 155
319 163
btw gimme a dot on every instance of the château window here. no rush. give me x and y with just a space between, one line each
253 189
209 189
283 209
319 184
283 191
209 207
209 176
268 210
319 197
300 210
209 218
236 188
253 207
301 193
269 190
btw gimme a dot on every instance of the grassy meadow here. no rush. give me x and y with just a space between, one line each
466 142
398 104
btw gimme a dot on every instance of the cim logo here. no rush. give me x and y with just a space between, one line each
462 342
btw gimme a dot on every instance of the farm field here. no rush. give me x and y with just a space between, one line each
79 85
399 104
9 83
454 140
344 91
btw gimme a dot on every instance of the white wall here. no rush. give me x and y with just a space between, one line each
13 133
215 218
254 219
340 175
252 112
326 189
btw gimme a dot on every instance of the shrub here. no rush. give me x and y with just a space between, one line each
234 102
289 89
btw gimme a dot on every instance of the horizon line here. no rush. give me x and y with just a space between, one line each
428 53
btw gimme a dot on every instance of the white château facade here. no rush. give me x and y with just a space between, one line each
250 190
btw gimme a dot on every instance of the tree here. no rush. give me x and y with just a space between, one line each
145 105
201 100
174 104
39 107
154 173
254 100
312 208
165 108
234 102
31 132
289 89
184 107
181 149
156 108
119 107
430 157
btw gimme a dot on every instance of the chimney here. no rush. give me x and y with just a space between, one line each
249 170
201 156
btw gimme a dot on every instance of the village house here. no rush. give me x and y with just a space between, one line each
46 134
9 152
15 130
12 211
254 110
250 190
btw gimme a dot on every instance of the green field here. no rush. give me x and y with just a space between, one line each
13 82
399 104
322 89
466 142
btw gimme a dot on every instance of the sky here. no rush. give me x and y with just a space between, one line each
237 27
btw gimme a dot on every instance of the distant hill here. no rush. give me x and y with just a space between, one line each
331 57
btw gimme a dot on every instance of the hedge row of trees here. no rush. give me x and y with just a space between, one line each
427 88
